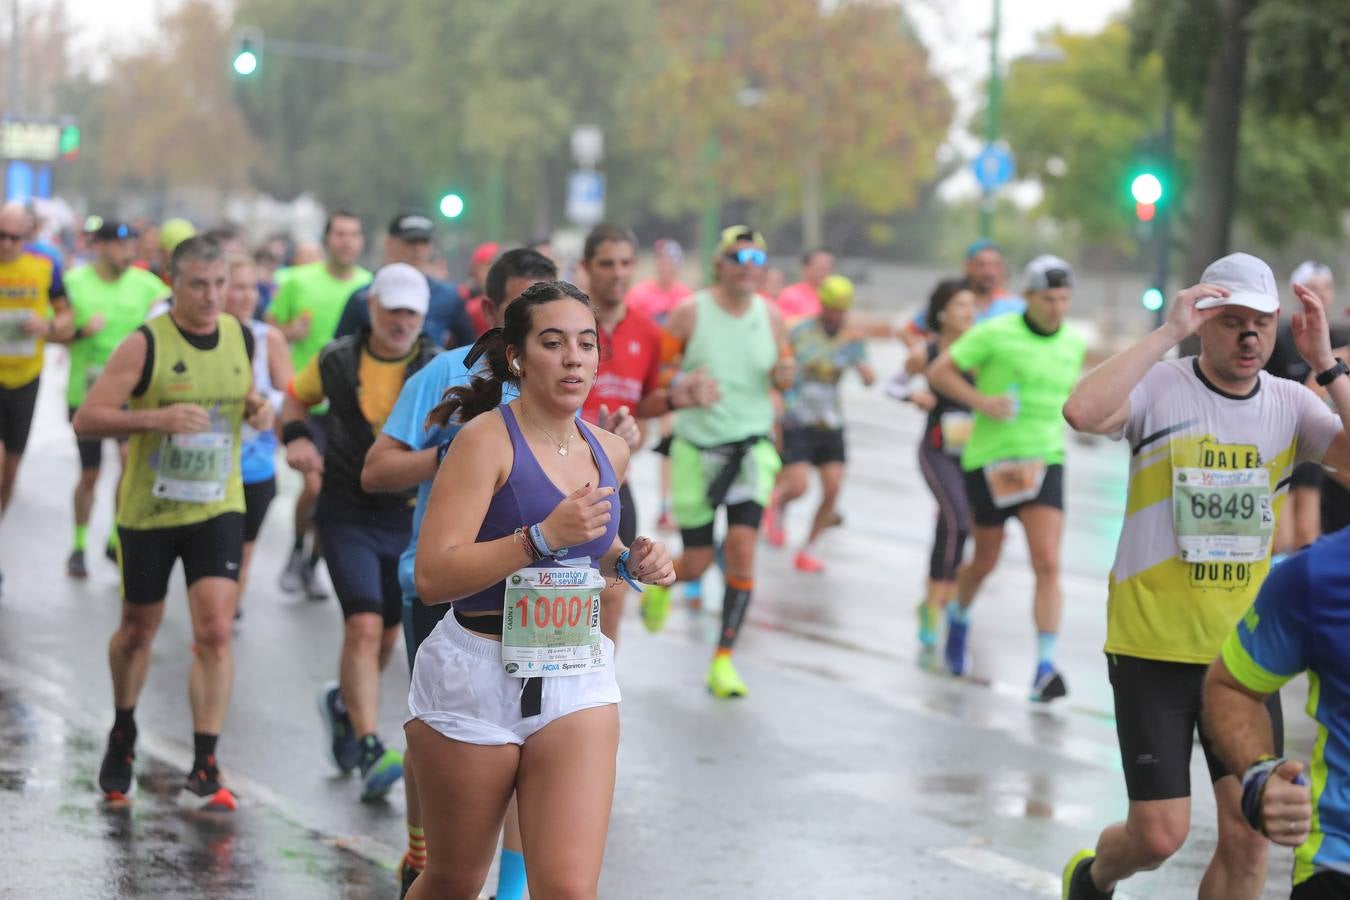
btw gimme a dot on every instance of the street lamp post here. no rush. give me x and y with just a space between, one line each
987 201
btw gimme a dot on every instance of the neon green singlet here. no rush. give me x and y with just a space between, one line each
174 480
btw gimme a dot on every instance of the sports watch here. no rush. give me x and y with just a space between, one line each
1330 375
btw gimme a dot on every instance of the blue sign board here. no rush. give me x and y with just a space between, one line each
993 167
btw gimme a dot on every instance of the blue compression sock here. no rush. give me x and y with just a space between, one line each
958 613
511 877
1045 647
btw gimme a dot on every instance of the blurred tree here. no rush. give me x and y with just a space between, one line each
1286 56
508 81
810 106
1077 125
166 118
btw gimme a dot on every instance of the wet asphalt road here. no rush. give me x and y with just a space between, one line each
849 771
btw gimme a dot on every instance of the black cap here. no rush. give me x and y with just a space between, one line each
411 227
112 230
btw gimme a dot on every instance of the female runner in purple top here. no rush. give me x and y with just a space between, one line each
523 505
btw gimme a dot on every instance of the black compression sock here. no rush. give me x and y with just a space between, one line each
299 545
735 602
203 750
124 724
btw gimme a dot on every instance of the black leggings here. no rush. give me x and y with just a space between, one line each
943 473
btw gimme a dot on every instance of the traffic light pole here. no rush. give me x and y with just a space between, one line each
1162 242
987 201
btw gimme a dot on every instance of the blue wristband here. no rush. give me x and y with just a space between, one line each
537 537
1253 787
621 569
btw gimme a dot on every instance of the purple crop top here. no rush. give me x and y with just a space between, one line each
526 499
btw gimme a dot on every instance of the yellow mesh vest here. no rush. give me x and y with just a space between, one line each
183 480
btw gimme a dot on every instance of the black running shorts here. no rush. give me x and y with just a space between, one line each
257 498
16 415
210 549
987 515
817 446
1157 714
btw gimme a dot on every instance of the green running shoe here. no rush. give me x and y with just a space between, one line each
655 607
1077 883
723 679
381 775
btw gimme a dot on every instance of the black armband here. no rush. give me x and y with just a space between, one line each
293 431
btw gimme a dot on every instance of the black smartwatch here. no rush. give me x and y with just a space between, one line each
1330 375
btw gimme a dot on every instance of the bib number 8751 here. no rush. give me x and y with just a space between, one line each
555 612
1213 506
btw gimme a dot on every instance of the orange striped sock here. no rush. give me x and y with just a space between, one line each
417 847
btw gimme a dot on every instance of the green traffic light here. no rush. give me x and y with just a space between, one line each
1153 299
70 140
246 62
452 206
1146 188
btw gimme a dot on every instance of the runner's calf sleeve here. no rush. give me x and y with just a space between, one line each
734 604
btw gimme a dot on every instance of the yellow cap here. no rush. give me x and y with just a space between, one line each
737 233
836 292
173 232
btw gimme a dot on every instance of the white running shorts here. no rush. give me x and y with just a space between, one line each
458 688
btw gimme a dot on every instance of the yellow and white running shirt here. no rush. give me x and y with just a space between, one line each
1209 472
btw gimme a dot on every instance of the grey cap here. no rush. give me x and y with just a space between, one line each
1046 272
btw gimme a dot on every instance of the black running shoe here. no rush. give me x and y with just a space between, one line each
75 567
406 876
114 775
204 790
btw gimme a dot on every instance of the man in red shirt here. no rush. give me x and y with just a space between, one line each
471 290
656 297
802 300
629 376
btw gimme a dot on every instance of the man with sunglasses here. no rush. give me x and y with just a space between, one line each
722 454
33 310
629 377
1026 366
109 298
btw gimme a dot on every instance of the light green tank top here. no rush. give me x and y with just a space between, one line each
174 480
740 353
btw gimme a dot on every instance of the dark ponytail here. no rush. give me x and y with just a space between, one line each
483 393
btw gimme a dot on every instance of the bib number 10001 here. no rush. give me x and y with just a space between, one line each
551 622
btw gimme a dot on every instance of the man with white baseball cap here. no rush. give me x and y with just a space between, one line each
1213 439
363 533
409 241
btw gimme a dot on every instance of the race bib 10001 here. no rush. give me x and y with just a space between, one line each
195 468
1222 515
551 622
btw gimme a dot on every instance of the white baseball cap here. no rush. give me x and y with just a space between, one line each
1309 269
401 286
1250 281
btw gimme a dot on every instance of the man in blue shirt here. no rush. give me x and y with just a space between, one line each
1299 622
409 241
